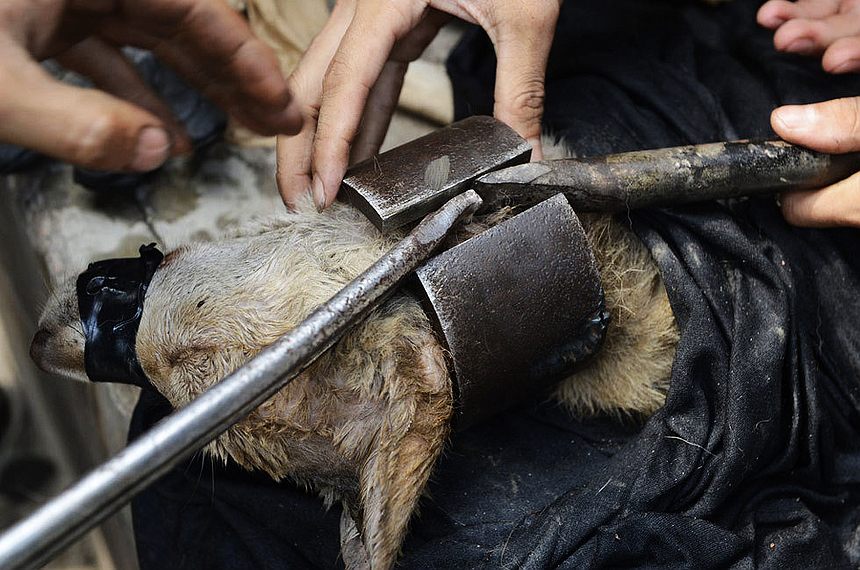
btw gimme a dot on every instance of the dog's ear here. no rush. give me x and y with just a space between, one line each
395 473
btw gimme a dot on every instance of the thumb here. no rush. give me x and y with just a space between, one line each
85 127
522 42
831 126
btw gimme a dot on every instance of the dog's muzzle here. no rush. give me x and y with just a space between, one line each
110 301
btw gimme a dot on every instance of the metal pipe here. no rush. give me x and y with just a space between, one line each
61 521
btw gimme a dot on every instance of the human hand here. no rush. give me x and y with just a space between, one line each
122 125
834 127
829 28
348 81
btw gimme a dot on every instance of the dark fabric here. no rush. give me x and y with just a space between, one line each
754 461
15 158
205 515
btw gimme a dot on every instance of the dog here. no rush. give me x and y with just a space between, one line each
367 421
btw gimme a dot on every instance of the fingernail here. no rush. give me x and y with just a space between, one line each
846 66
319 193
153 148
796 117
537 149
773 22
801 46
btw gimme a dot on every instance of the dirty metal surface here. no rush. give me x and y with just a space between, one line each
518 306
407 182
668 176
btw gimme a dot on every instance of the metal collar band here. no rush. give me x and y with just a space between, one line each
518 307
110 301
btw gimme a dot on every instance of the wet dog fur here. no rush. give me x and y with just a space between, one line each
367 421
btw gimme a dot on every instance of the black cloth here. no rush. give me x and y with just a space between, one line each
754 461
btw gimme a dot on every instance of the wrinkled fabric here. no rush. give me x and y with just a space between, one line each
754 461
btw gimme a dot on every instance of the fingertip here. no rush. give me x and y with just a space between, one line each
835 205
329 164
152 148
325 188
794 207
809 209
841 67
520 89
802 37
771 15
843 56
290 195
284 189
85 127
270 87
788 38
294 162
520 104
537 148
801 46
318 192
526 121
830 126
277 105
180 143
109 134
790 119
803 125
291 186
770 22
775 13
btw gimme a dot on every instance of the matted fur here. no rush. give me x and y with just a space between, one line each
629 376
367 421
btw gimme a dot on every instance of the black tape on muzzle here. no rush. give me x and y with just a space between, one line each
110 301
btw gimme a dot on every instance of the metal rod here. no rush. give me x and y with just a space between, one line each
68 516
668 176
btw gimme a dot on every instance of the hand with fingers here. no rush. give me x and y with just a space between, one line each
122 125
830 126
830 29
349 79
826 28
